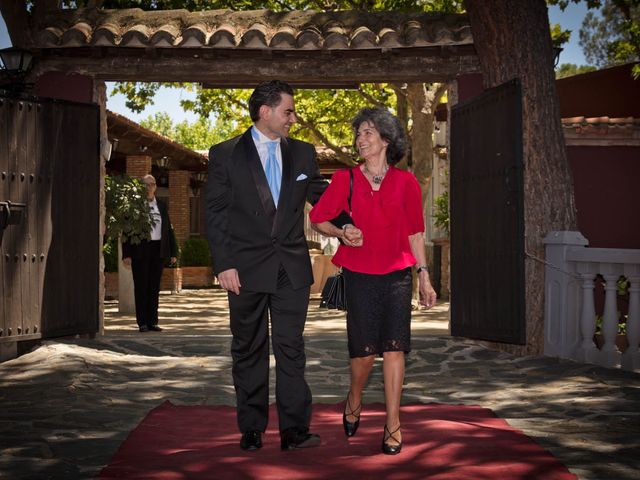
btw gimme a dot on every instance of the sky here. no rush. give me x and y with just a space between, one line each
168 100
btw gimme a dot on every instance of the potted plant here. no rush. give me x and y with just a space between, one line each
195 262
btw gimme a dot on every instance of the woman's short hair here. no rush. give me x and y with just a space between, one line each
267 93
389 127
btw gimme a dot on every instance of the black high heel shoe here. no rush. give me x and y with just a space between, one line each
350 429
390 449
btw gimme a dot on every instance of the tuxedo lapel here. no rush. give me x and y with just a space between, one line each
249 154
286 184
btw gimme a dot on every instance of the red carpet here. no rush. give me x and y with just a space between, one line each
451 442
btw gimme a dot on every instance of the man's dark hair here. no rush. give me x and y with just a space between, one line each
389 127
267 93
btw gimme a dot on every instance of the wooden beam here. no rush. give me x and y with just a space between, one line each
234 70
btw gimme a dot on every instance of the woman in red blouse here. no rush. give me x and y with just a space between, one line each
386 206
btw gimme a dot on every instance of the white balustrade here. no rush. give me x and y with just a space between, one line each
570 316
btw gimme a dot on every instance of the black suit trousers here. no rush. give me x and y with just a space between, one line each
146 266
250 314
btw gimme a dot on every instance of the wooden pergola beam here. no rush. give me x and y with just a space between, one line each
247 68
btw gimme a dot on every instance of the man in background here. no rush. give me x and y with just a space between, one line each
147 260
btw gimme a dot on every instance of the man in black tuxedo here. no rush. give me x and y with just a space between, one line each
256 191
147 258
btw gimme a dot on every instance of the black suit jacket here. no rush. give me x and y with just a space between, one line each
244 228
168 247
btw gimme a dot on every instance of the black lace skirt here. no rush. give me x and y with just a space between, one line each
379 312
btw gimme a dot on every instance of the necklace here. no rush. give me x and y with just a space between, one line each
377 179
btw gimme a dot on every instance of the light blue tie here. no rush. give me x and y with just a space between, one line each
272 169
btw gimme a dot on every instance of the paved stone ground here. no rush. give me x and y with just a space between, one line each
66 406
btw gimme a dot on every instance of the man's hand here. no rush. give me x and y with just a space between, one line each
352 236
127 262
230 281
174 260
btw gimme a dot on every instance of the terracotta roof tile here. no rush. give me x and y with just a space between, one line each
259 29
600 121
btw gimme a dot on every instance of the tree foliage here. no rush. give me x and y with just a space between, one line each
613 37
569 69
197 135
323 116
558 36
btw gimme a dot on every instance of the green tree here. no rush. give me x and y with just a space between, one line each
613 37
569 69
160 123
197 135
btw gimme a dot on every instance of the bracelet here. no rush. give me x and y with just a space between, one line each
344 229
422 268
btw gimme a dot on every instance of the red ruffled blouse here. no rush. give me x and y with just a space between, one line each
386 217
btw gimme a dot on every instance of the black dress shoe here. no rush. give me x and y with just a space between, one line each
154 328
143 328
349 427
390 449
295 438
251 440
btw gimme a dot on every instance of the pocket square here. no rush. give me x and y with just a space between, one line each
301 177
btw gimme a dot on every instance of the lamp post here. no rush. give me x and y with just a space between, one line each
15 63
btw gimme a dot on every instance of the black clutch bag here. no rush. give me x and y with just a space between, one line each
334 293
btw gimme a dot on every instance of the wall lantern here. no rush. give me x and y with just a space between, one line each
197 180
15 63
163 162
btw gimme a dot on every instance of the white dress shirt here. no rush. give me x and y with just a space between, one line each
156 228
263 150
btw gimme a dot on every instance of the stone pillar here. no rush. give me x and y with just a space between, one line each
179 182
562 298
631 357
100 97
126 300
137 167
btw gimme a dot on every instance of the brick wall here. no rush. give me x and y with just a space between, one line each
138 165
197 277
179 203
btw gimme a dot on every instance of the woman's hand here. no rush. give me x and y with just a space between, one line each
352 236
427 293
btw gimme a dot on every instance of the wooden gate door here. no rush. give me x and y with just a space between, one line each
487 217
49 163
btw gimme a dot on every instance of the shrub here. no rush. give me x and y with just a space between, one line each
441 212
195 253
110 252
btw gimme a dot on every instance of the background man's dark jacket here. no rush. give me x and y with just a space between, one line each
168 247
